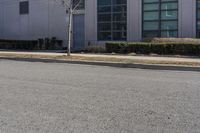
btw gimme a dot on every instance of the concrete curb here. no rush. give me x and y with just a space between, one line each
110 64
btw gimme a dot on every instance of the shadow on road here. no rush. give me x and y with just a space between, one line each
138 66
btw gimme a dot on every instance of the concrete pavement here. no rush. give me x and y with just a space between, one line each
157 62
149 58
44 97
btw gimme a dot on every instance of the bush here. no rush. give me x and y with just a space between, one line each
151 47
96 49
141 48
18 44
115 47
158 48
173 40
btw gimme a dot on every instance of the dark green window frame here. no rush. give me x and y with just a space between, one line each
112 20
159 32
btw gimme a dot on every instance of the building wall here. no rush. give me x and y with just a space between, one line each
10 19
187 20
45 19
48 19
134 20
90 22
1 18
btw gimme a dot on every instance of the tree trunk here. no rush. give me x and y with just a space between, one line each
70 31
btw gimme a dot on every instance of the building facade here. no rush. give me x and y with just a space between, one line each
100 20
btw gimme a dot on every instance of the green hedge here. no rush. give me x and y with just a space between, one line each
17 44
157 48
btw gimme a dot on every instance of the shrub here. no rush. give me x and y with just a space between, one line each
116 47
96 49
18 44
157 48
173 40
142 48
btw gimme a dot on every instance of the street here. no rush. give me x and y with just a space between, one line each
45 97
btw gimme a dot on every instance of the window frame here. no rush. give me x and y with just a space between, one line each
112 22
160 20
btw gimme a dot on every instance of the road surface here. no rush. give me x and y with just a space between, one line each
39 97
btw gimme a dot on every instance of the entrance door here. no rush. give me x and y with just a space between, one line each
78 32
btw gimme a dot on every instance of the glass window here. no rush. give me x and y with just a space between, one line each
104 35
198 25
104 27
169 6
160 18
198 19
169 25
112 19
147 34
198 13
151 6
150 1
151 26
104 2
24 7
151 15
169 33
79 4
168 15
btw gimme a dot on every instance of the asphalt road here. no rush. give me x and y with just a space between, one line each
38 97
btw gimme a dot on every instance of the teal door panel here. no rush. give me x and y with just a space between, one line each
78 33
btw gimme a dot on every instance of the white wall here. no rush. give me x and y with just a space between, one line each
134 20
58 21
187 18
11 19
1 18
38 18
45 19
91 21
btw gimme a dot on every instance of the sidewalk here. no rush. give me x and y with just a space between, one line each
145 58
106 58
